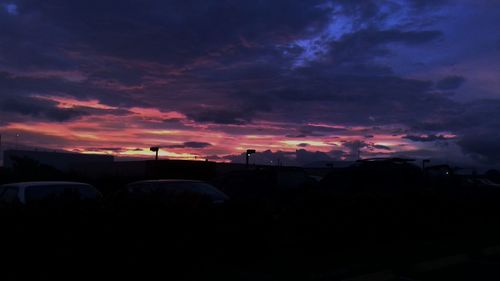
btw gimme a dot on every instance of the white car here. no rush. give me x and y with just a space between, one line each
27 193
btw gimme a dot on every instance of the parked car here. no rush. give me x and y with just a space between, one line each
48 193
261 183
171 192
375 174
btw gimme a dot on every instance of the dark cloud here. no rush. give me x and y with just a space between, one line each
319 130
450 83
370 38
351 87
304 157
359 148
482 145
40 109
463 118
382 147
364 45
221 116
194 144
17 86
296 136
426 138
105 149
189 144
355 99
355 147
475 126
25 41
181 30
428 3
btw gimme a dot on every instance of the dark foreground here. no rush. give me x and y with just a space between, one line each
309 234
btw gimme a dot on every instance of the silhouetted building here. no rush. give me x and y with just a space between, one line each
61 161
375 174
164 169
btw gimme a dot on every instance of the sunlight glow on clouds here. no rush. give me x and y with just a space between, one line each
68 102
315 81
11 9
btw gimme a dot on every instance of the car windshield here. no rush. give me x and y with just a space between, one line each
8 194
59 192
179 187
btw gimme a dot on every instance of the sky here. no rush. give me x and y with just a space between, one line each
299 81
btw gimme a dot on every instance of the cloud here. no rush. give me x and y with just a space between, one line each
355 146
231 66
304 157
428 3
483 146
221 116
105 149
260 72
366 44
319 130
24 85
181 30
382 147
450 83
189 144
11 9
426 138
39 109
358 148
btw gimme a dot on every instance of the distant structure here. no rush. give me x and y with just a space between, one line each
249 152
162 169
60 160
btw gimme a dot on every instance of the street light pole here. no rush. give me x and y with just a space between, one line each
155 149
249 152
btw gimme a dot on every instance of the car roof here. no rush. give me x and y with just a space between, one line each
166 180
42 183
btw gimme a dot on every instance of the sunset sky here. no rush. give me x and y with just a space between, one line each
301 81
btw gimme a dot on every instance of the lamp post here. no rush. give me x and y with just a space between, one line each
249 152
155 149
